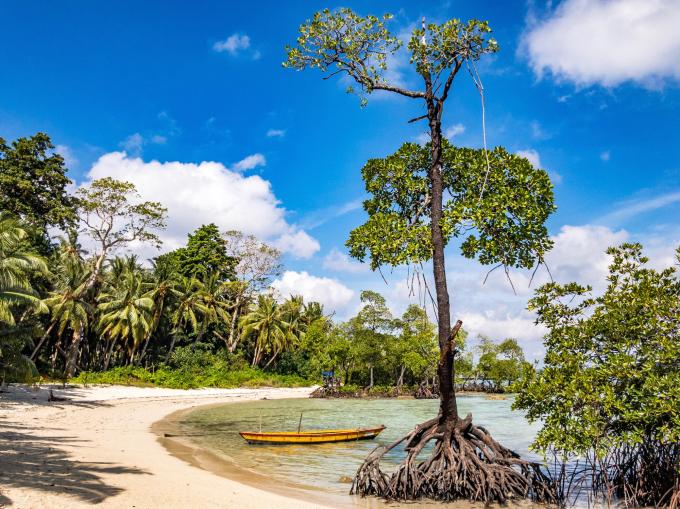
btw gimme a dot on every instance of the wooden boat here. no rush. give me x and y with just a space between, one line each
311 437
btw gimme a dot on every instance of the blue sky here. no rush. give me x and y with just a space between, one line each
589 90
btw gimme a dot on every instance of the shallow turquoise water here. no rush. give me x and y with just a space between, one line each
322 466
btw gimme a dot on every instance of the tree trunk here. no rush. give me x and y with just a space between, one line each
55 353
271 360
400 380
73 351
370 385
42 340
92 280
156 319
107 358
172 345
445 372
256 356
138 362
232 342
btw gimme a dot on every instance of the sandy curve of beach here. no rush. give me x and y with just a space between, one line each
98 448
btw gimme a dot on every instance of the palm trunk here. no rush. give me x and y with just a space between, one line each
172 345
42 340
143 352
73 352
256 356
55 353
107 358
370 385
271 360
156 319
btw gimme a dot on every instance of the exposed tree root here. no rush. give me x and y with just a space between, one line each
466 463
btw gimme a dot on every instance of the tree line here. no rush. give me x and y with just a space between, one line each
68 309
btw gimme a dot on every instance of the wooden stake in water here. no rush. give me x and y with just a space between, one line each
300 423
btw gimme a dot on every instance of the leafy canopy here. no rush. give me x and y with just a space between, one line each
611 374
205 254
33 183
502 225
111 214
341 41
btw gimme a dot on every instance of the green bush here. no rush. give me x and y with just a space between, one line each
191 375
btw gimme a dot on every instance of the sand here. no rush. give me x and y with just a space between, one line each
99 449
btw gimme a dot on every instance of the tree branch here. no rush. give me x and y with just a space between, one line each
449 80
390 88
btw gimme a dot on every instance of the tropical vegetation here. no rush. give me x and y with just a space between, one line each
200 315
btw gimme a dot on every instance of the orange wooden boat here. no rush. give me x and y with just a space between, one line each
311 437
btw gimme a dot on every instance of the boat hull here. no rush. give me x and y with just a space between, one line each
311 437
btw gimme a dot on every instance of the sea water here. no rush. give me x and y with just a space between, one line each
329 467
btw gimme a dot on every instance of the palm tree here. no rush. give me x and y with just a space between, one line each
214 298
18 263
119 265
313 311
272 333
188 310
69 273
161 287
125 313
294 313
68 304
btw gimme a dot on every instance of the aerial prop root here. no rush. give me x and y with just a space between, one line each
465 463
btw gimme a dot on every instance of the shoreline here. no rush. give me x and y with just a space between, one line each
104 447
200 457
188 450
98 448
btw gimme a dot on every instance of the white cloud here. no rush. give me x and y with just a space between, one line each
159 139
70 160
579 253
237 44
338 261
497 326
535 160
298 243
134 143
207 192
532 156
633 208
449 133
329 292
538 132
607 42
316 218
233 44
454 130
276 133
250 162
605 156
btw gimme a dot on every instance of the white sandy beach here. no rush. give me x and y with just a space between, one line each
99 449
